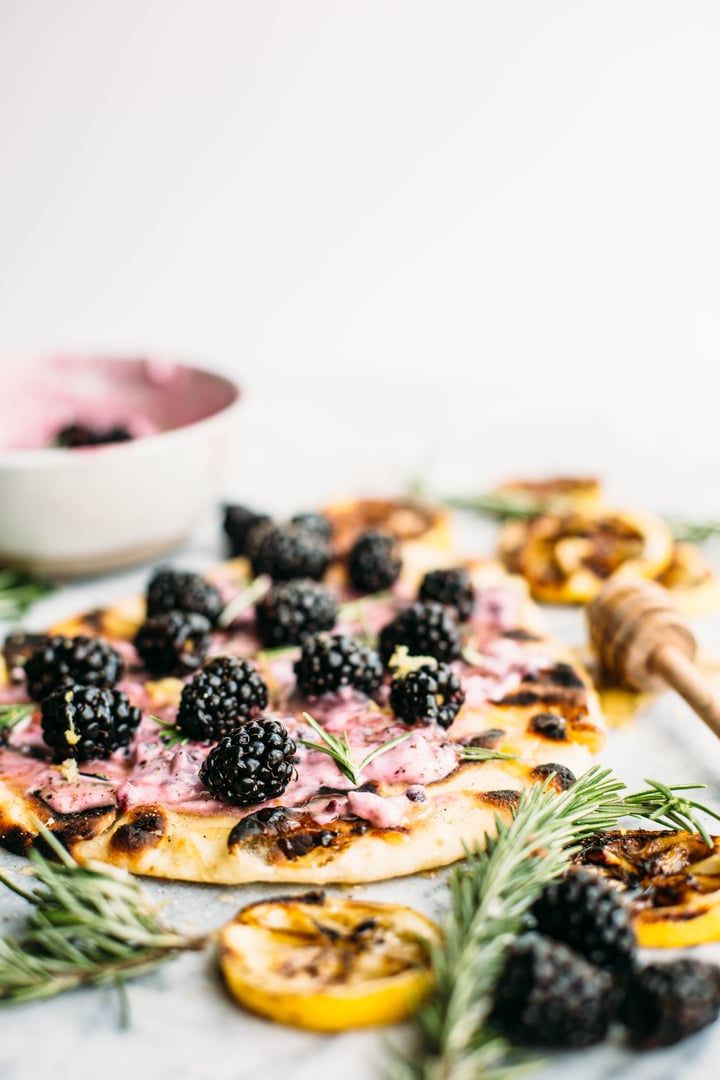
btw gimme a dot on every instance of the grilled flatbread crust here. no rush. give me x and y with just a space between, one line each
287 843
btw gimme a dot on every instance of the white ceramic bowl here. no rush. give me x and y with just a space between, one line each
72 512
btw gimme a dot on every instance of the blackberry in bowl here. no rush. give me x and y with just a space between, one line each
116 502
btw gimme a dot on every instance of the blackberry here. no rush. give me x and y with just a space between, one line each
374 561
665 1002
451 587
329 661
291 611
251 764
586 913
226 692
85 722
314 523
175 643
549 996
237 524
74 435
430 693
60 661
289 551
426 628
182 590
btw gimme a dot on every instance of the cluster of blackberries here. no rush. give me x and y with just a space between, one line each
302 548
83 716
299 548
181 610
576 973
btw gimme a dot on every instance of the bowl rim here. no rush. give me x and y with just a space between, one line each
57 456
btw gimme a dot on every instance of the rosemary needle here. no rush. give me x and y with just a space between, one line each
18 592
90 925
340 751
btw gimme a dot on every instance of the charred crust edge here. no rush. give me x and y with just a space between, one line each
145 828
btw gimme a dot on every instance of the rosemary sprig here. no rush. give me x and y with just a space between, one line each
170 733
661 804
693 532
482 753
13 715
489 897
18 592
340 751
247 598
498 506
504 507
278 653
354 610
90 925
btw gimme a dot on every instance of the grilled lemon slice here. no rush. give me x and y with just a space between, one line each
690 578
411 521
327 963
565 558
671 880
555 495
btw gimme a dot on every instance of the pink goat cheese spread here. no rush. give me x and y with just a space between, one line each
392 786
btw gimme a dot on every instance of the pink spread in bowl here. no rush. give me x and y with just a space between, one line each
70 512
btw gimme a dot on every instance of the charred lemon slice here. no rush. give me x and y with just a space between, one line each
690 579
566 558
409 520
555 495
671 879
328 963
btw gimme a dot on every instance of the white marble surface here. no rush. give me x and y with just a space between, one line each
183 1025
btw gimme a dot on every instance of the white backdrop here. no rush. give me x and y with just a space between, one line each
455 237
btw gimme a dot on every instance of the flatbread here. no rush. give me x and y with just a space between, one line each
417 808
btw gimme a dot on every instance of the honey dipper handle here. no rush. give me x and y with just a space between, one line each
680 672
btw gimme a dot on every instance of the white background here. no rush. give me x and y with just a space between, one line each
461 239
452 239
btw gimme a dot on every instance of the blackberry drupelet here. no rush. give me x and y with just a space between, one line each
74 435
374 561
291 611
430 694
60 661
314 523
426 628
549 996
251 764
85 722
175 643
182 590
665 1002
237 524
452 587
225 693
289 551
329 661
585 912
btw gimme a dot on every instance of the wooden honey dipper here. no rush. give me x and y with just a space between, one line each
642 643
